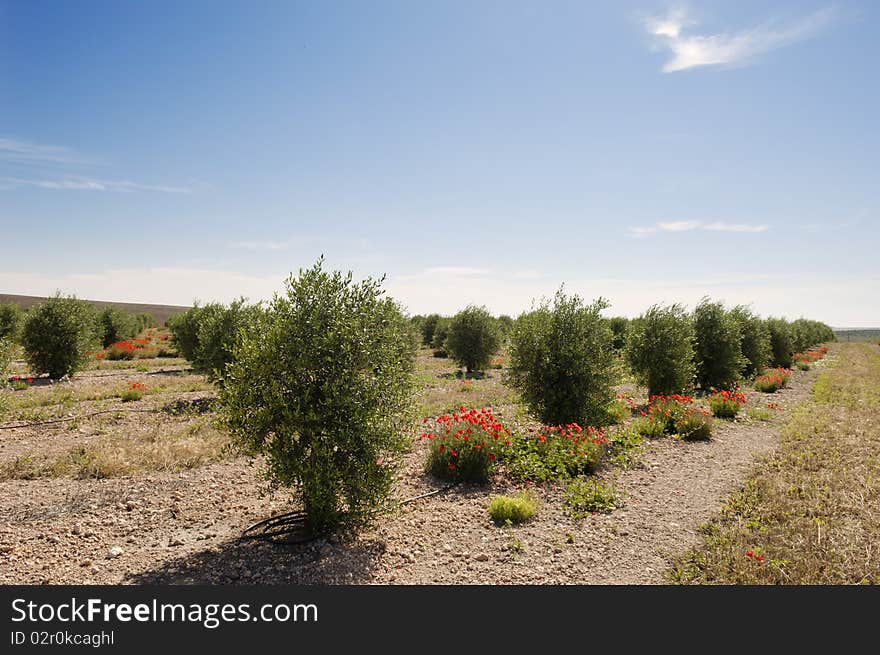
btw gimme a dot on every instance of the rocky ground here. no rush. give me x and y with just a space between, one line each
184 527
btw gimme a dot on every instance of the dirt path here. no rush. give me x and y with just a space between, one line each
183 528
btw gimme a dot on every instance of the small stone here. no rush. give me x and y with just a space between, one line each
115 551
94 569
482 557
176 541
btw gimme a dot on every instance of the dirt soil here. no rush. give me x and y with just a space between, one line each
183 527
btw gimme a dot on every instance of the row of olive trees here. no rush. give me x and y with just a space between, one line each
671 350
57 335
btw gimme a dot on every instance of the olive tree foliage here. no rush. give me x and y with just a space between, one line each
115 325
220 328
718 346
782 342
185 331
807 334
660 349
756 348
58 335
619 325
11 316
5 358
324 389
428 324
473 338
562 361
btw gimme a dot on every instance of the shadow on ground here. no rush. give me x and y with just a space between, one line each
255 562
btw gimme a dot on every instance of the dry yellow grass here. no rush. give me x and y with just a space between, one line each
161 447
811 512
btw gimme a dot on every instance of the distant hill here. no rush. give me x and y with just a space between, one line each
159 312
857 334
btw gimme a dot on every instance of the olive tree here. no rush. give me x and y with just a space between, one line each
473 338
660 349
323 388
562 361
718 346
58 335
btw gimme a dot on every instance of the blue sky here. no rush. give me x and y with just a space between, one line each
478 152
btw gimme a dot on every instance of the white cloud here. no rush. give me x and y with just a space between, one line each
678 226
687 226
455 270
32 153
87 184
734 227
727 48
271 246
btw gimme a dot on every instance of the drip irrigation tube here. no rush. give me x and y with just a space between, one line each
291 528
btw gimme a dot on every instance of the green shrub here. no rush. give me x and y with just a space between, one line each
649 427
220 328
618 411
506 510
555 453
135 391
667 410
695 425
625 444
115 325
756 347
438 342
718 346
585 496
781 342
660 349
185 331
726 404
465 446
6 354
772 380
58 335
803 366
324 390
115 354
473 338
562 361
428 326
10 321
619 326
142 322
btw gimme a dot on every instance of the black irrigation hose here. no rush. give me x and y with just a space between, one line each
74 418
290 527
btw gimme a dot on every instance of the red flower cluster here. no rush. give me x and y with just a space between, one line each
137 386
751 555
465 444
726 404
18 378
773 380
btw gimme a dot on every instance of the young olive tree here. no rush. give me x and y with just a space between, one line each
185 331
782 342
718 346
10 321
219 330
115 325
58 335
756 347
323 388
660 349
473 338
562 361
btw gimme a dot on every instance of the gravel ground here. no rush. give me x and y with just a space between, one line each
181 528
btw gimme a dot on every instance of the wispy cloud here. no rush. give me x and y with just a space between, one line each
455 270
59 168
88 184
266 246
727 48
14 150
640 232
